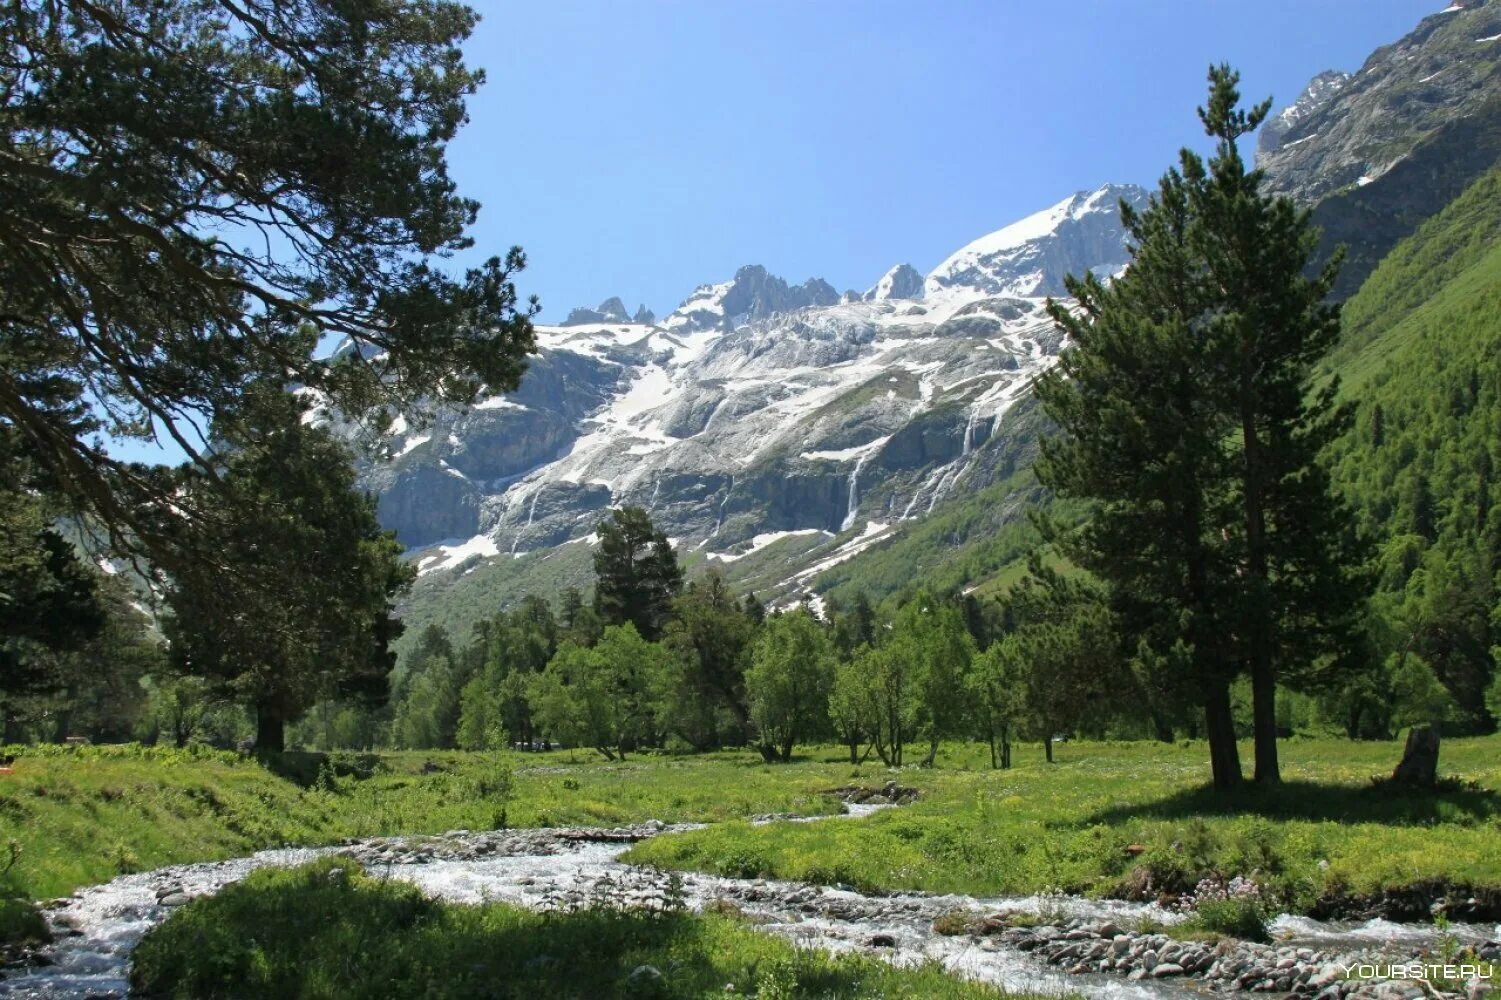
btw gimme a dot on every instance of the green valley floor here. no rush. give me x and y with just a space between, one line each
1132 820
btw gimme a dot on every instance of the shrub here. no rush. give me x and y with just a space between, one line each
1235 908
21 923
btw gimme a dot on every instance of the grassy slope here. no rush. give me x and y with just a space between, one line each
82 817
327 931
1417 279
1328 832
458 598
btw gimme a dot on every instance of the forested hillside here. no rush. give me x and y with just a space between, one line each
1422 357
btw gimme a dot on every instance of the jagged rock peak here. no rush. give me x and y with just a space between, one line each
901 282
611 310
1030 258
754 293
644 316
1315 97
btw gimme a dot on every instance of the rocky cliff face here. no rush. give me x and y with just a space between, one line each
1377 152
757 410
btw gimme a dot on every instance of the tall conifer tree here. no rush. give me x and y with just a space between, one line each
1188 416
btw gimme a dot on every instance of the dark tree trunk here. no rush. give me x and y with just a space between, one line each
1219 728
1162 729
1005 748
768 753
1264 722
1352 722
1259 652
1047 746
1419 764
270 729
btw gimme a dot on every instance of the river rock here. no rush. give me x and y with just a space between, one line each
644 974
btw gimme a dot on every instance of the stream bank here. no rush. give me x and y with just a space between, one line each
1100 948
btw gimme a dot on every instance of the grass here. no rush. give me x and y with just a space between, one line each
1137 820
82 816
328 931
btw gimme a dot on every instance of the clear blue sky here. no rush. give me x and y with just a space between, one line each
640 148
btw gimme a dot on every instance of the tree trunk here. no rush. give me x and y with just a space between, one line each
1047 747
270 729
1259 632
932 754
1006 748
1419 765
1162 729
1219 728
994 762
1264 721
768 752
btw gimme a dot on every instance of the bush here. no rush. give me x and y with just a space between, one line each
1235 908
21 923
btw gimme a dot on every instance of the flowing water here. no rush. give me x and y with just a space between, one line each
567 869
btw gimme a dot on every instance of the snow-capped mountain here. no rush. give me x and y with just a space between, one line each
1030 258
757 411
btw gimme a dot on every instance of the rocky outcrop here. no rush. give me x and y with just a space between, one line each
425 504
1378 152
901 282
753 294
1315 97
611 310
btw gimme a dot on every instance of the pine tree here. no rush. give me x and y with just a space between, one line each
304 610
1299 565
637 573
1189 417
710 632
1142 437
197 195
